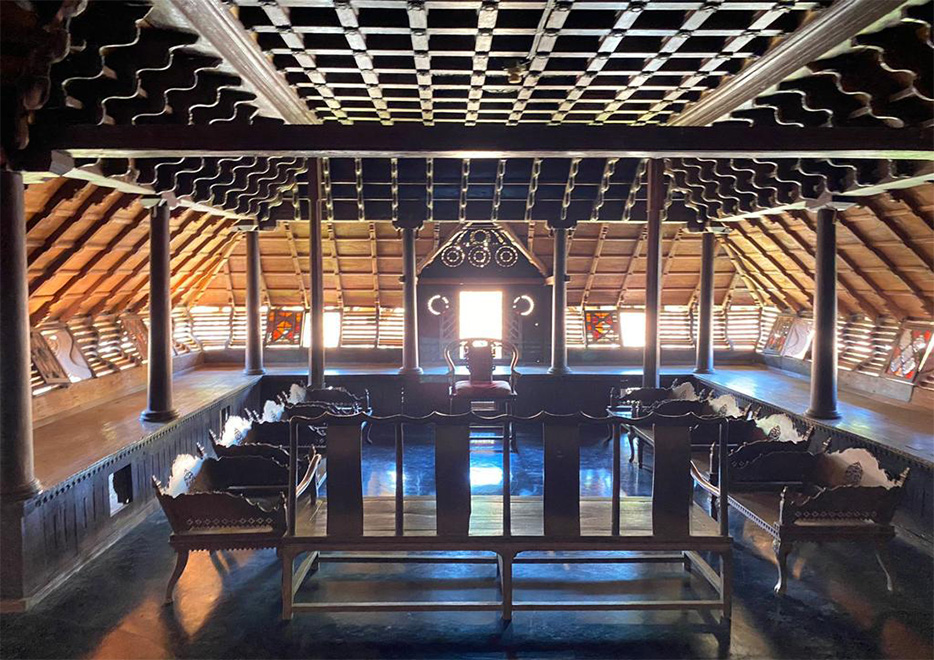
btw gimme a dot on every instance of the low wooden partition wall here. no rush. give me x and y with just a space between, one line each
49 537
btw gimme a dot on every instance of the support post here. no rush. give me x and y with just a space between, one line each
253 359
704 363
559 347
410 364
159 402
824 346
653 274
316 293
17 475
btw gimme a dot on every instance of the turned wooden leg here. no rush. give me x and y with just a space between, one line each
782 550
882 555
640 445
504 563
714 508
180 562
632 447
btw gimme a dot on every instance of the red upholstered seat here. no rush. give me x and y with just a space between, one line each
495 389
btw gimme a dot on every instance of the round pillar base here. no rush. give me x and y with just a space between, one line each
24 492
158 415
559 371
704 371
254 372
410 371
822 414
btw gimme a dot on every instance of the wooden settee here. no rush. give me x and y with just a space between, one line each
680 399
668 527
229 503
796 496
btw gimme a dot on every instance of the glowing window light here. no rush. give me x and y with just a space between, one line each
632 329
332 329
480 314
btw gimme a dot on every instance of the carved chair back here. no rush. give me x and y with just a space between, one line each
479 355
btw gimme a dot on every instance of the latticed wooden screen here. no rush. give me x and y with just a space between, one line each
601 327
284 327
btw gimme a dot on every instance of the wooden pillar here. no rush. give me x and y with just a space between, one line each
17 476
653 274
410 364
253 358
316 263
704 363
559 346
159 402
824 346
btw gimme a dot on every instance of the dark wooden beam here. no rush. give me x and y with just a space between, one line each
218 26
830 27
487 141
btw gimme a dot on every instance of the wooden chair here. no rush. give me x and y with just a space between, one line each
480 387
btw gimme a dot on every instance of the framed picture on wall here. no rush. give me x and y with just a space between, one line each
909 353
775 344
798 339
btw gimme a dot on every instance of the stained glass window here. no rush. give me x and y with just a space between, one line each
908 353
284 327
779 334
601 327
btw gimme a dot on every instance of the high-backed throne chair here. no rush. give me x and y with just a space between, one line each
477 353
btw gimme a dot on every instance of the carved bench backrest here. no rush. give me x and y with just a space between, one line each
782 427
672 494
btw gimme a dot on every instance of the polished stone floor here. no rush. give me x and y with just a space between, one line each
228 606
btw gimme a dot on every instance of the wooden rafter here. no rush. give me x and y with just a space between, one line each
630 268
857 271
63 291
755 289
55 264
923 298
197 290
67 191
95 197
594 263
924 254
296 266
763 253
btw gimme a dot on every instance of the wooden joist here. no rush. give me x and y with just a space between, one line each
486 141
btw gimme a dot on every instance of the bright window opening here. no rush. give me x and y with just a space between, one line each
480 314
332 329
632 328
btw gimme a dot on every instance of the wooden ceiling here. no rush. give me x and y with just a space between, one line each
398 62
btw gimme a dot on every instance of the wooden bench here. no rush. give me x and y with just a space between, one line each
797 496
504 526
229 503
680 399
